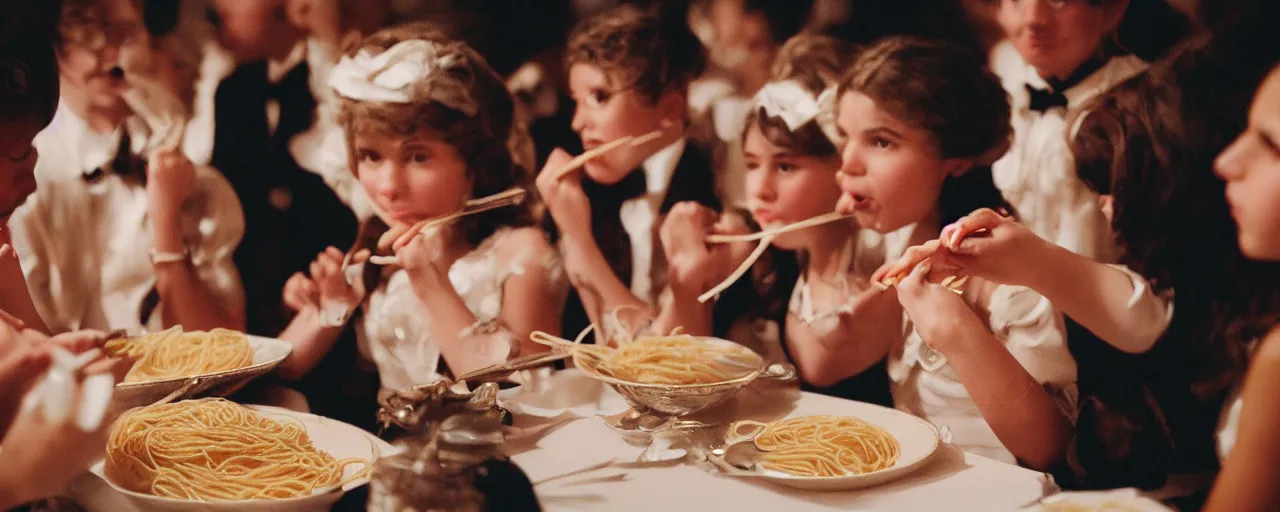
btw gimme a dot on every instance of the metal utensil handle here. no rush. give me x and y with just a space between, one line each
784 372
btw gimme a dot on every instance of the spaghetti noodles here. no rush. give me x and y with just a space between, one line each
823 446
665 360
215 450
172 353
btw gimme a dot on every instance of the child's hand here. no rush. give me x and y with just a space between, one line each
423 258
41 459
171 178
564 197
692 264
994 247
301 293
936 311
331 282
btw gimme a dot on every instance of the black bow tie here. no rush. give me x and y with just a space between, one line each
126 164
1043 99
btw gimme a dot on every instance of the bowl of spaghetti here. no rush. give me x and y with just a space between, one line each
215 363
676 375
213 454
827 452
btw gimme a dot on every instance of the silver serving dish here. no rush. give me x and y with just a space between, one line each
683 399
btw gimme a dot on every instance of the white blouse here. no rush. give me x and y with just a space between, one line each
84 246
1038 175
1148 314
925 385
394 331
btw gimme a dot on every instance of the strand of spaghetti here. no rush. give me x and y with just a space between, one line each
400 235
742 269
804 224
592 154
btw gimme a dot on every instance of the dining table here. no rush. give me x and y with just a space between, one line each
948 480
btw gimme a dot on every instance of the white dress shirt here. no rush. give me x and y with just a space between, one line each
639 219
1038 174
84 246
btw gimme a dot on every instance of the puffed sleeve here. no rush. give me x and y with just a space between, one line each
1148 314
53 275
1035 333
212 227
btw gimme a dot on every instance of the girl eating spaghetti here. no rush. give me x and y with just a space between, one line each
989 365
791 150
426 124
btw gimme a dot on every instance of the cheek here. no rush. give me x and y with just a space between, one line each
77 64
1258 211
907 188
809 195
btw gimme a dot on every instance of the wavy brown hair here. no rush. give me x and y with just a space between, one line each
637 50
1151 143
480 139
946 90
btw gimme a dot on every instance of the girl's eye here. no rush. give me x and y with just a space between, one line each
882 142
785 167
369 156
598 98
25 155
752 165
418 157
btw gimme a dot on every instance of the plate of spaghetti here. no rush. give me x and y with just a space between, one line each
213 454
217 363
827 452
674 375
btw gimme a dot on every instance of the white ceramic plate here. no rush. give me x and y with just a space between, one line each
918 439
267 354
94 492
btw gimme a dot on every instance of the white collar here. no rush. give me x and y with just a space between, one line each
661 166
1116 70
276 70
89 149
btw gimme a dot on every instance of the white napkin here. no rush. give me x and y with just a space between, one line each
545 394
55 394
1128 500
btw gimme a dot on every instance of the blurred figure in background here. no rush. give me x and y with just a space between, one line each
740 38
125 232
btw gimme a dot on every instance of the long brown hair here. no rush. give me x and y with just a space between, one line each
944 89
1151 143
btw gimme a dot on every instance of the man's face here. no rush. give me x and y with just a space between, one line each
257 29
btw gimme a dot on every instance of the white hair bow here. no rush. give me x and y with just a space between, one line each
796 106
410 70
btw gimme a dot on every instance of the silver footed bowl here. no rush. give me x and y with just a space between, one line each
683 399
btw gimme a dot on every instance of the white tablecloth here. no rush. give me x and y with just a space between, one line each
951 481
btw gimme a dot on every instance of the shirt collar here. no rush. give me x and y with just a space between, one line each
661 166
1114 71
276 70
89 149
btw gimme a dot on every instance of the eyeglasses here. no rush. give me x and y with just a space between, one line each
96 36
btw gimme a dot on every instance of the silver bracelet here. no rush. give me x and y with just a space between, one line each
158 258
